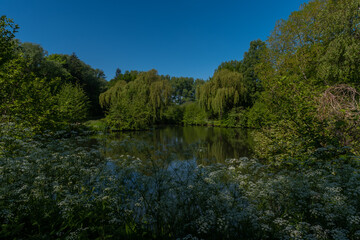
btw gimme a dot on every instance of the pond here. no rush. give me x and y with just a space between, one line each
202 145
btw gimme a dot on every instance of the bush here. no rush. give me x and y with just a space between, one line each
173 114
237 117
194 114
313 199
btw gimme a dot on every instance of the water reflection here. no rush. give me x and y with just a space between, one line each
168 144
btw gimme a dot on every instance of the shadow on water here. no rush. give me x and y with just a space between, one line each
165 145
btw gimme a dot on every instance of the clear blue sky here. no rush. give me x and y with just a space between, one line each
176 37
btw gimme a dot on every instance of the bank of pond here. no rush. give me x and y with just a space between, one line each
171 183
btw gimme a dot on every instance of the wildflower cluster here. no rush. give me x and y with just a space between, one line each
53 186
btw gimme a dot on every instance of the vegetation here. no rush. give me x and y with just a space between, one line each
299 89
137 104
44 92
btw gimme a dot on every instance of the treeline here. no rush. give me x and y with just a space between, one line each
138 100
300 87
42 91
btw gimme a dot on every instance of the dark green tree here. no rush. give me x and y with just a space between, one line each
183 89
117 72
91 80
7 44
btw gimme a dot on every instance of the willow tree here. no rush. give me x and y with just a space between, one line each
137 104
160 94
225 90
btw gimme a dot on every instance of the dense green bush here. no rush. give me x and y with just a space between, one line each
173 114
194 114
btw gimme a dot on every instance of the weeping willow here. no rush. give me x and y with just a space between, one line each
224 91
137 104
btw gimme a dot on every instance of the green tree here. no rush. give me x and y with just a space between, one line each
194 114
7 44
137 104
225 90
309 54
183 89
34 55
91 80
128 76
72 103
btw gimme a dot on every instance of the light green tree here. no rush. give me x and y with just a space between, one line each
225 90
137 104
73 104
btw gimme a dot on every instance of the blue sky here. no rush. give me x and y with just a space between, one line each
187 38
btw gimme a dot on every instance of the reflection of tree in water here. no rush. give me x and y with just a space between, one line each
221 144
161 146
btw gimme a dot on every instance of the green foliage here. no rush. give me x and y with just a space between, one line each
128 76
137 104
42 92
97 125
24 97
34 55
173 114
56 187
77 72
7 44
259 115
224 91
309 54
237 117
312 198
194 114
184 89
235 85
72 103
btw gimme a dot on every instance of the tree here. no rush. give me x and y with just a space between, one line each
117 72
225 90
91 80
7 44
248 68
72 102
308 55
34 55
137 104
183 89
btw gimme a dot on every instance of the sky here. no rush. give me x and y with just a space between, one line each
188 38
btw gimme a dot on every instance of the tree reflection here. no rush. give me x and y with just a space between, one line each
160 147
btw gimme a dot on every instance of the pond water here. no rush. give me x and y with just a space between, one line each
201 145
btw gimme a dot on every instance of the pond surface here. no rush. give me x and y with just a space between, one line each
201 145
